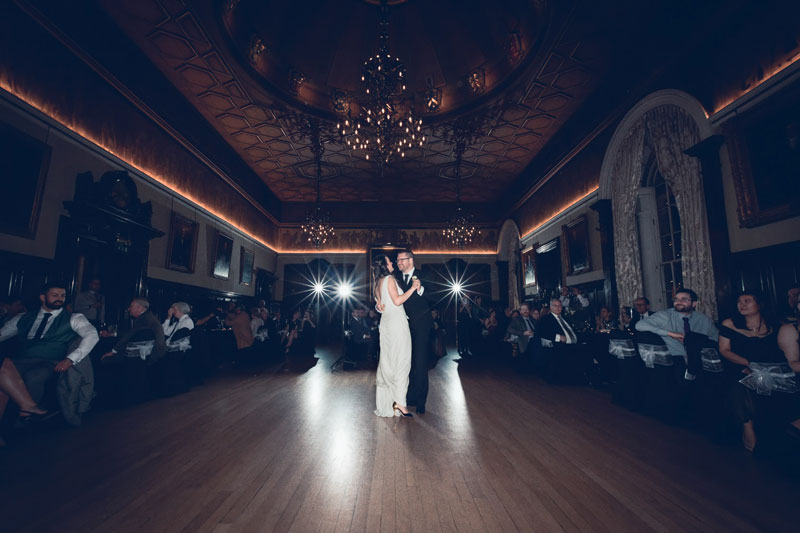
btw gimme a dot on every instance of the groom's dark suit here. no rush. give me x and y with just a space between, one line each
420 321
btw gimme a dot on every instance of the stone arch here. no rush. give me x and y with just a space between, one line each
667 122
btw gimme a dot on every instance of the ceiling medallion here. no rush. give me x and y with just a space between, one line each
257 47
477 80
385 126
296 81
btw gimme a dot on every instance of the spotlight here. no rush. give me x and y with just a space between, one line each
319 288
456 288
344 290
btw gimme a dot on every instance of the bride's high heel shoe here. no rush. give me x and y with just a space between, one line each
397 408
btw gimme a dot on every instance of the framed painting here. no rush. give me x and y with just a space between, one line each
24 162
577 251
182 244
374 251
246 262
764 148
223 252
529 267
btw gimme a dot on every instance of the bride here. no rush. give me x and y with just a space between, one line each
395 339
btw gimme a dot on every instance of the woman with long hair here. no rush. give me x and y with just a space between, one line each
748 340
395 342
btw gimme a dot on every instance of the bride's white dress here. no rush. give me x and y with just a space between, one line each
395 360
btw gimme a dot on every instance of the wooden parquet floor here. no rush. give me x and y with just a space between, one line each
303 452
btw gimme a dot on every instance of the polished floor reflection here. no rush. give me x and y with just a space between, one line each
282 451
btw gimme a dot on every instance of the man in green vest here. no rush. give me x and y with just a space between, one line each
45 336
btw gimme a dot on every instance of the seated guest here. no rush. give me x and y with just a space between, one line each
256 322
91 303
605 322
12 386
145 328
789 343
749 340
515 314
239 321
521 329
308 333
11 308
45 336
675 323
569 362
178 320
792 299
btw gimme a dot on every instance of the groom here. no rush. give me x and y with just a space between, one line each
420 321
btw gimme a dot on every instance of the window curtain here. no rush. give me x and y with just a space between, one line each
627 174
668 130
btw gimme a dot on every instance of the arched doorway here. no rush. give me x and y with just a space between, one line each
508 267
661 238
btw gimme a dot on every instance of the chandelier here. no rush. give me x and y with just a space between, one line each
461 230
317 228
385 126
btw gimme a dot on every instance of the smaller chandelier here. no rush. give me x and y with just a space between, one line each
317 228
460 230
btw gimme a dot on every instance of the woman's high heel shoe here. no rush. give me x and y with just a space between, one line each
397 408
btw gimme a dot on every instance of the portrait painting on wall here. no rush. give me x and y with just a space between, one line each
24 161
576 237
529 267
182 244
764 147
222 257
247 259
374 251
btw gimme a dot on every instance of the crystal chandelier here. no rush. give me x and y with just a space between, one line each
317 227
385 126
461 230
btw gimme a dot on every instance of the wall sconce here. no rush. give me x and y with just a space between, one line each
433 97
257 47
477 81
296 81
513 47
340 101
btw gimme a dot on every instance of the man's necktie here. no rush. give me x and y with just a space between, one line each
42 325
528 325
567 330
405 279
686 328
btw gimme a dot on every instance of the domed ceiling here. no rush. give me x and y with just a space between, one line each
312 50
258 70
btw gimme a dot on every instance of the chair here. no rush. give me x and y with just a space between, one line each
628 390
167 375
661 398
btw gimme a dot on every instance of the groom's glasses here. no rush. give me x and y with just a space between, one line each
403 259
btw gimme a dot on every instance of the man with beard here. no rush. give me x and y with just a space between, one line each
45 336
676 324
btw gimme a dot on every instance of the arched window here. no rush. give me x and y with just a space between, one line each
660 237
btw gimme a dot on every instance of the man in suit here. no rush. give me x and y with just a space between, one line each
569 360
420 321
522 328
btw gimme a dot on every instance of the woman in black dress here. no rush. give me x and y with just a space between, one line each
789 342
749 337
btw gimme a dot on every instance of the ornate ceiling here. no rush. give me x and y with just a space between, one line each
205 50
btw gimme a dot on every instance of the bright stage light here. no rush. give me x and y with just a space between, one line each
456 288
344 290
319 288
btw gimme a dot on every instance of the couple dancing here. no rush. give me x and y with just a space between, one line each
405 331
